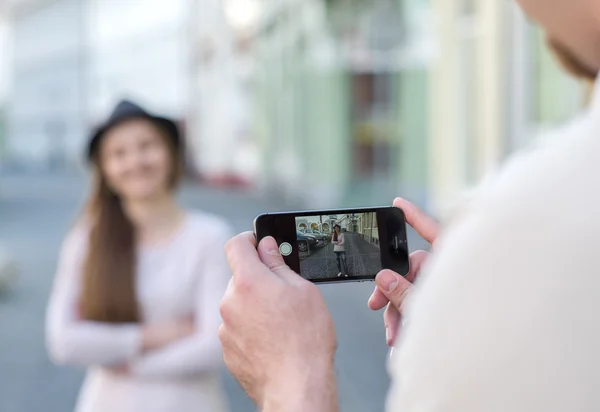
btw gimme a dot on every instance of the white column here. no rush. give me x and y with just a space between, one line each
468 98
492 83
444 148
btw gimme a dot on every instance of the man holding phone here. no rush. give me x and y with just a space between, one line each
505 315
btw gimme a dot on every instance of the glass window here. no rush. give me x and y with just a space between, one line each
372 105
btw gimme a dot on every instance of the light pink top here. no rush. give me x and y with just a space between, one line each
186 275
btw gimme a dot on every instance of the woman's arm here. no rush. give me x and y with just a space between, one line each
202 351
71 340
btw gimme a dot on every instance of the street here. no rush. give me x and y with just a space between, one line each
36 212
362 259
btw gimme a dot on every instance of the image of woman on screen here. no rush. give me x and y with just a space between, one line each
339 248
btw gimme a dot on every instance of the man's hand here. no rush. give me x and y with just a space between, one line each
277 334
392 289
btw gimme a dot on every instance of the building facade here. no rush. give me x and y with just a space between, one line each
342 100
46 106
495 88
220 129
360 101
6 51
139 50
73 60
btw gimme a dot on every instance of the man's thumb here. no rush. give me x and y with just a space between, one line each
269 254
393 286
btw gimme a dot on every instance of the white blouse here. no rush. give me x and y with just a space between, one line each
187 275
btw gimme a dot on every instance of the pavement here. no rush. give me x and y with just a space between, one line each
362 259
35 213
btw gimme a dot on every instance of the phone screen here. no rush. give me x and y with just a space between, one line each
344 245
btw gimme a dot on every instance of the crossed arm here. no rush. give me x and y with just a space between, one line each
74 341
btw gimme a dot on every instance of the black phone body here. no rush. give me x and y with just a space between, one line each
343 245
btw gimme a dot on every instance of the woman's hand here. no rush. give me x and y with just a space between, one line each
392 289
162 334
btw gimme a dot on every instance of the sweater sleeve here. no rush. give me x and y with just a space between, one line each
201 352
71 340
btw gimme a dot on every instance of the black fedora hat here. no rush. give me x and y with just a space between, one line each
127 110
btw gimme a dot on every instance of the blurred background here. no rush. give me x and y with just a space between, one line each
284 104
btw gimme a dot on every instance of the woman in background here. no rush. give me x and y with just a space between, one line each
339 248
136 296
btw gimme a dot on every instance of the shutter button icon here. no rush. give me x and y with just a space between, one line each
285 249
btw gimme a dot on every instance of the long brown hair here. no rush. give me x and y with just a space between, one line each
109 291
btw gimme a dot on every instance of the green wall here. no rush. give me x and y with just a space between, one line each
326 121
413 162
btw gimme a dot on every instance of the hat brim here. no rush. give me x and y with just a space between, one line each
169 126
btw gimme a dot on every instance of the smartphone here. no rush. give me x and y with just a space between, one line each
344 245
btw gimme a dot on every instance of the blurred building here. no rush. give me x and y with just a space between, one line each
221 116
138 49
321 102
360 101
495 88
342 100
75 59
46 106
5 73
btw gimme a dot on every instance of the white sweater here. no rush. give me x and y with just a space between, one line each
188 275
506 317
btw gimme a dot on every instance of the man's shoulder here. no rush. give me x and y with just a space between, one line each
559 168
555 170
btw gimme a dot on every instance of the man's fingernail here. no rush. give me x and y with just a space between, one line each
387 334
387 281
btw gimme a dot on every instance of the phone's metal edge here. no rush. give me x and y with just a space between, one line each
343 280
347 209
